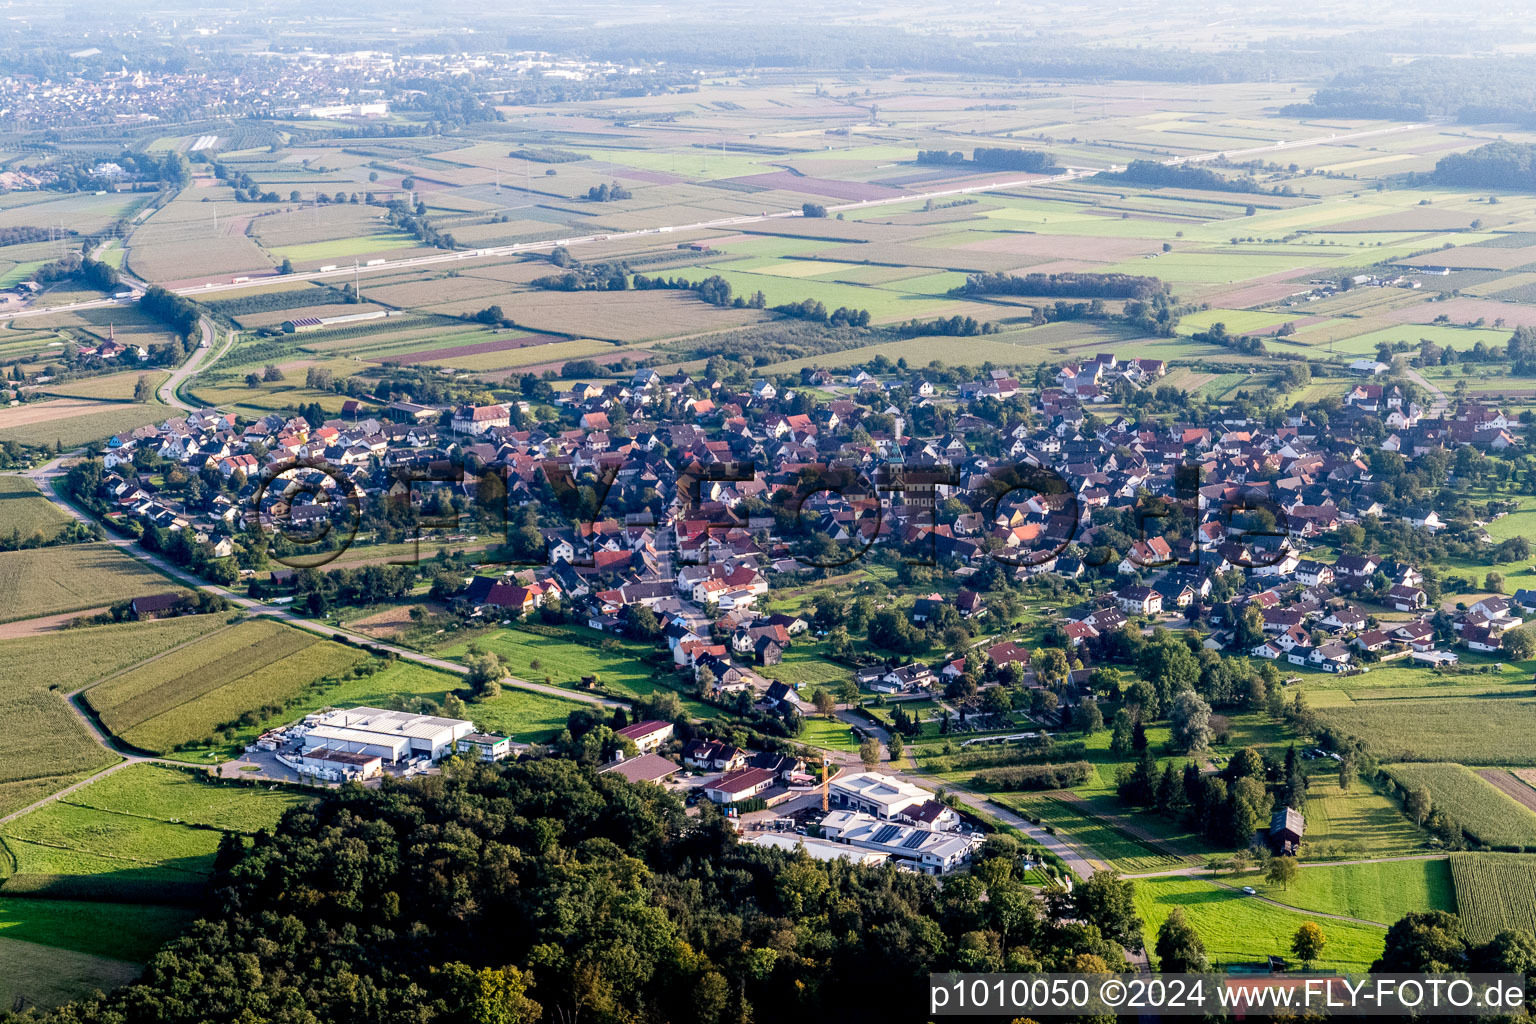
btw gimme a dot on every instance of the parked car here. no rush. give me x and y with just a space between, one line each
1249 890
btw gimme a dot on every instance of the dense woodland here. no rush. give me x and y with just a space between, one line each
542 891
1477 91
1497 165
1157 174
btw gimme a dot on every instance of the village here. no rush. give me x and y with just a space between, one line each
698 544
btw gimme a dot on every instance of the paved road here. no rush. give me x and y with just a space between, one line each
1439 402
190 367
1304 910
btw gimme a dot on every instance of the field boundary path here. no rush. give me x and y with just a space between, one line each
1196 870
1312 913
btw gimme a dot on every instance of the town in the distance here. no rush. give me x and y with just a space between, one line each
520 520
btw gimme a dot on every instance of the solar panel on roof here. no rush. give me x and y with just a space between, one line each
913 841
884 833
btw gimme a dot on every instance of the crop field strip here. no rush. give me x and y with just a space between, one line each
47 581
24 510
1493 892
182 697
1486 813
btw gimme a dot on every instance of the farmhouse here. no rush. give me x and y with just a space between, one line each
154 606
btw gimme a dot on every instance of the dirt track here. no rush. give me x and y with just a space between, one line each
43 624
47 412
1510 786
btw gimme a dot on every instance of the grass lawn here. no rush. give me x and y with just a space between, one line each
806 665
828 733
1239 929
525 716
120 930
1360 823
171 795
48 975
133 840
1380 892
564 660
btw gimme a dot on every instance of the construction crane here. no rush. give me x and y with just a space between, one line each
826 773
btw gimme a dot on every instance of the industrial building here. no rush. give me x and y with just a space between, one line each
392 736
485 746
921 849
338 765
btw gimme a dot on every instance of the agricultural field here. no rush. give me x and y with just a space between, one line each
218 684
1238 929
1444 727
1488 815
42 975
23 509
43 745
46 581
92 886
1493 892
112 386
66 423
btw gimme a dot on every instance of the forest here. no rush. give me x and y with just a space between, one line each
1473 91
1499 164
543 891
